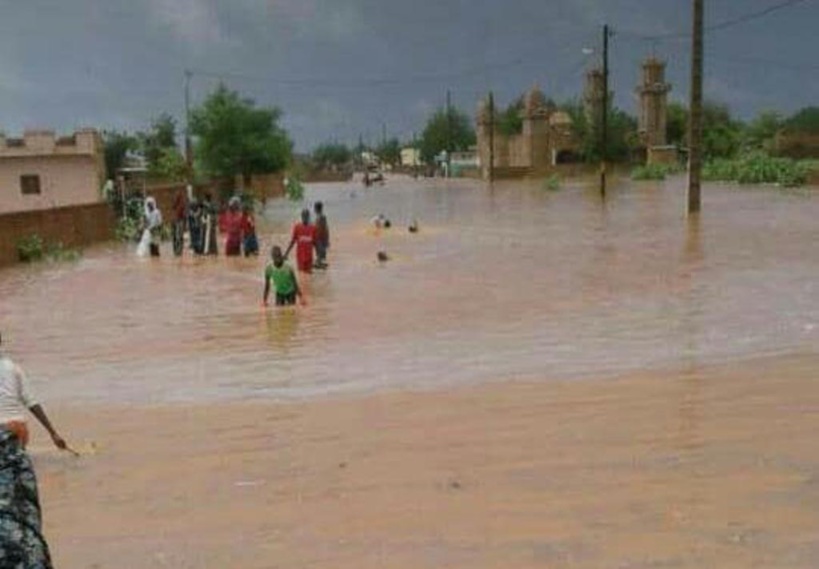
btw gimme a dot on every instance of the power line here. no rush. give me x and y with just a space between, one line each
724 24
753 15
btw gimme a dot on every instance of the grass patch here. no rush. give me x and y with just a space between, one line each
552 183
653 171
757 168
32 248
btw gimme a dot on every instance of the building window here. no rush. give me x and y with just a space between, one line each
30 184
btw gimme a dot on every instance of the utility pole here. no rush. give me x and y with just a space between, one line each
448 131
604 121
491 137
188 148
695 121
414 155
383 134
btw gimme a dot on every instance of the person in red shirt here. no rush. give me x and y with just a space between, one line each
233 228
251 243
304 238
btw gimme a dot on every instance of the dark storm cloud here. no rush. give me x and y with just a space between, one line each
340 68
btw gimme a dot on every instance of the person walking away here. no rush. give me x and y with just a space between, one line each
21 539
251 242
209 244
153 223
233 228
195 227
284 280
304 237
322 236
180 207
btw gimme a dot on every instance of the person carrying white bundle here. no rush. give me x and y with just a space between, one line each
151 234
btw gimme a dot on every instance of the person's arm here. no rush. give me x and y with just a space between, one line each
38 411
266 288
299 294
292 242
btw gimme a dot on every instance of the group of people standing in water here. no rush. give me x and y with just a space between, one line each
202 221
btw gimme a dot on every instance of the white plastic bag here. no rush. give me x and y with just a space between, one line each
144 244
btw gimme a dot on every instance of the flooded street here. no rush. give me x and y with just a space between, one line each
534 379
510 282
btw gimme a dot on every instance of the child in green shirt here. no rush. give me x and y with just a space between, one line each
284 280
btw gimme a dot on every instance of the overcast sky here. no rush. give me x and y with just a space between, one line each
340 68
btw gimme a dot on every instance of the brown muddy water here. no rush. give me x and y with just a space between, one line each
505 282
648 397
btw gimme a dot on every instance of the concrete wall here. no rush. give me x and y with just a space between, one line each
75 226
64 180
520 152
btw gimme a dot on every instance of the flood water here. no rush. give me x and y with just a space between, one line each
505 282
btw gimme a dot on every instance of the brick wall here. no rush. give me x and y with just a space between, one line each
73 226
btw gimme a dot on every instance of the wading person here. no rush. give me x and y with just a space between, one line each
21 539
180 207
153 223
250 241
233 228
209 221
285 284
195 227
304 238
322 236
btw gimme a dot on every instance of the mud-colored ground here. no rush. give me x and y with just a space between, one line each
710 468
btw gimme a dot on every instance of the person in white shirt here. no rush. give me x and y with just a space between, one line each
21 540
153 223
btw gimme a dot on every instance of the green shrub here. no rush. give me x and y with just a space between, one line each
653 171
30 248
294 189
128 229
57 252
552 183
757 168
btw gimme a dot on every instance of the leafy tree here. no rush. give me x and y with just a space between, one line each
161 135
234 137
621 137
806 121
721 133
330 155
158 147
116 146
390 151
760 132
170 165
446 130
676 128
509 120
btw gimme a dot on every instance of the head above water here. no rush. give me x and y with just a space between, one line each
276 255
318 207
305 216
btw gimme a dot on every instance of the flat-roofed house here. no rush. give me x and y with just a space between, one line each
42 171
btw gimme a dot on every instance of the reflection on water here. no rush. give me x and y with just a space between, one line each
510 281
